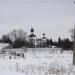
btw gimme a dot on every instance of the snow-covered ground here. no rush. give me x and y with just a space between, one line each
39 63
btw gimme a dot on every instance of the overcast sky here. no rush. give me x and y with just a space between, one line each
53 17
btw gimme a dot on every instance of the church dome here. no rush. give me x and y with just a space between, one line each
32 33
32 30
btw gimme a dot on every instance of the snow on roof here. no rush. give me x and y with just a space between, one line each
2 45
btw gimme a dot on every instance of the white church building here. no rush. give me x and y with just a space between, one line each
36 41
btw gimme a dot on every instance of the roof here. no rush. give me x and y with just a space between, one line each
32 35
43 37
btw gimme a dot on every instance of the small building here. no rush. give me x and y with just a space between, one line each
3 45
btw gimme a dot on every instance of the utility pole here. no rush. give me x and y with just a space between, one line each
74 44
74 47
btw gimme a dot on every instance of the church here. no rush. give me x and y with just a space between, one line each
37 42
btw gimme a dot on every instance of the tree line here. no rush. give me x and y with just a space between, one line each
61 43
18 39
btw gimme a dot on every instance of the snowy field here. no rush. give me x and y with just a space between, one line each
38 63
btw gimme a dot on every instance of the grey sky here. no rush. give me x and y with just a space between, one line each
53 17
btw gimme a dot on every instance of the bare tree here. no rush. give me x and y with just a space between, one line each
17 38
17 34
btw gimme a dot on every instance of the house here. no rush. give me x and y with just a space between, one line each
3 45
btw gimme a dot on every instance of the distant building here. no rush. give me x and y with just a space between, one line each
36 42
32 37
3 45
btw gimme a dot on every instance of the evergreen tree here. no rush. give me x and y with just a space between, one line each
59 42
66 44
51 42
6 39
